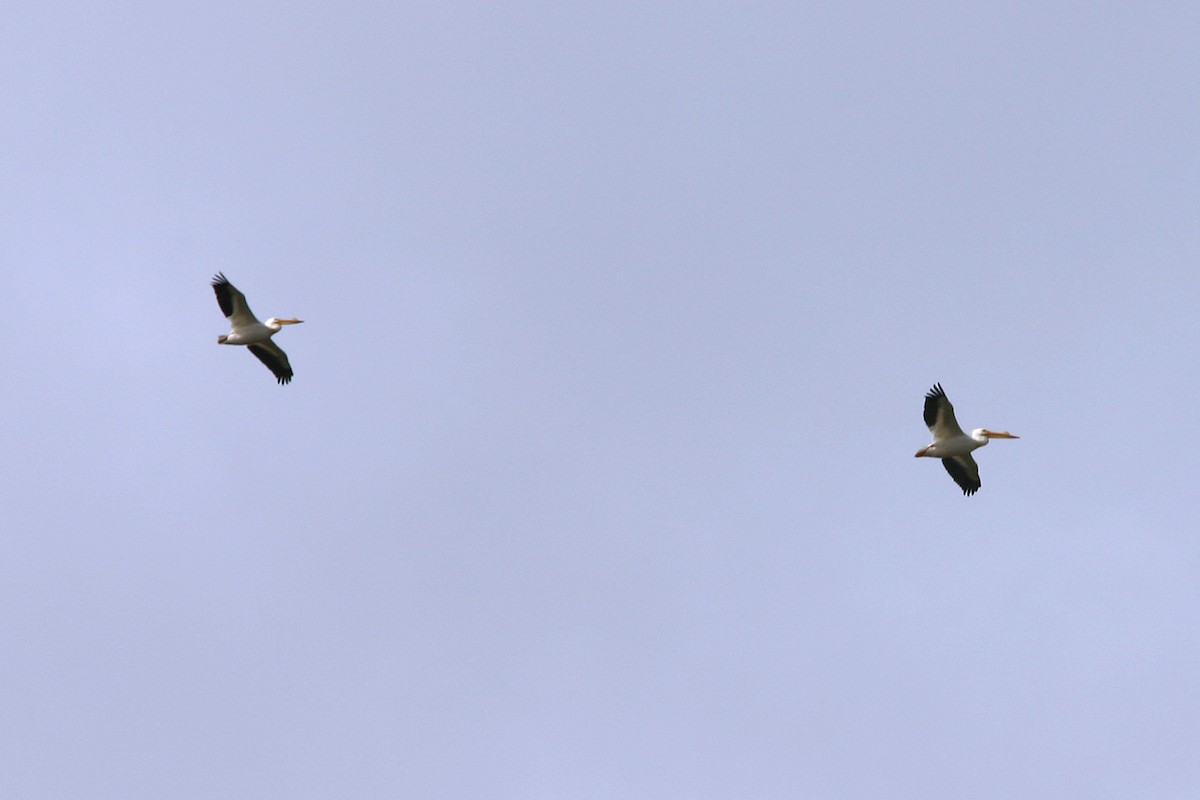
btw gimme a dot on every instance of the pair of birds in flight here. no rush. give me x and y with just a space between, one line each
950 443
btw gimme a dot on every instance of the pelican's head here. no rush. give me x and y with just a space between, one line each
997 434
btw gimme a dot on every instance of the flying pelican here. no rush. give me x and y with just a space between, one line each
951 445
248 331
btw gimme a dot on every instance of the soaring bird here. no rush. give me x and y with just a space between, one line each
953 446
247 330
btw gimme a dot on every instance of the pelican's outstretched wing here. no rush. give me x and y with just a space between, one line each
965 472
232 302
939 415
276 360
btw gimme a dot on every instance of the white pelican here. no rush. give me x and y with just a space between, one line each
953 446
248 331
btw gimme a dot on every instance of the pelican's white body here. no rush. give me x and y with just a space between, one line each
251 332
960 445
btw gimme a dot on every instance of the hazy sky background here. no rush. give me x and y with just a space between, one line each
596 477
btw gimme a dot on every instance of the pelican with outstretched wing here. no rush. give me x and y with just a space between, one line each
247 330
953 446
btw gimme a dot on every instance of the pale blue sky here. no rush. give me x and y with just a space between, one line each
596 477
